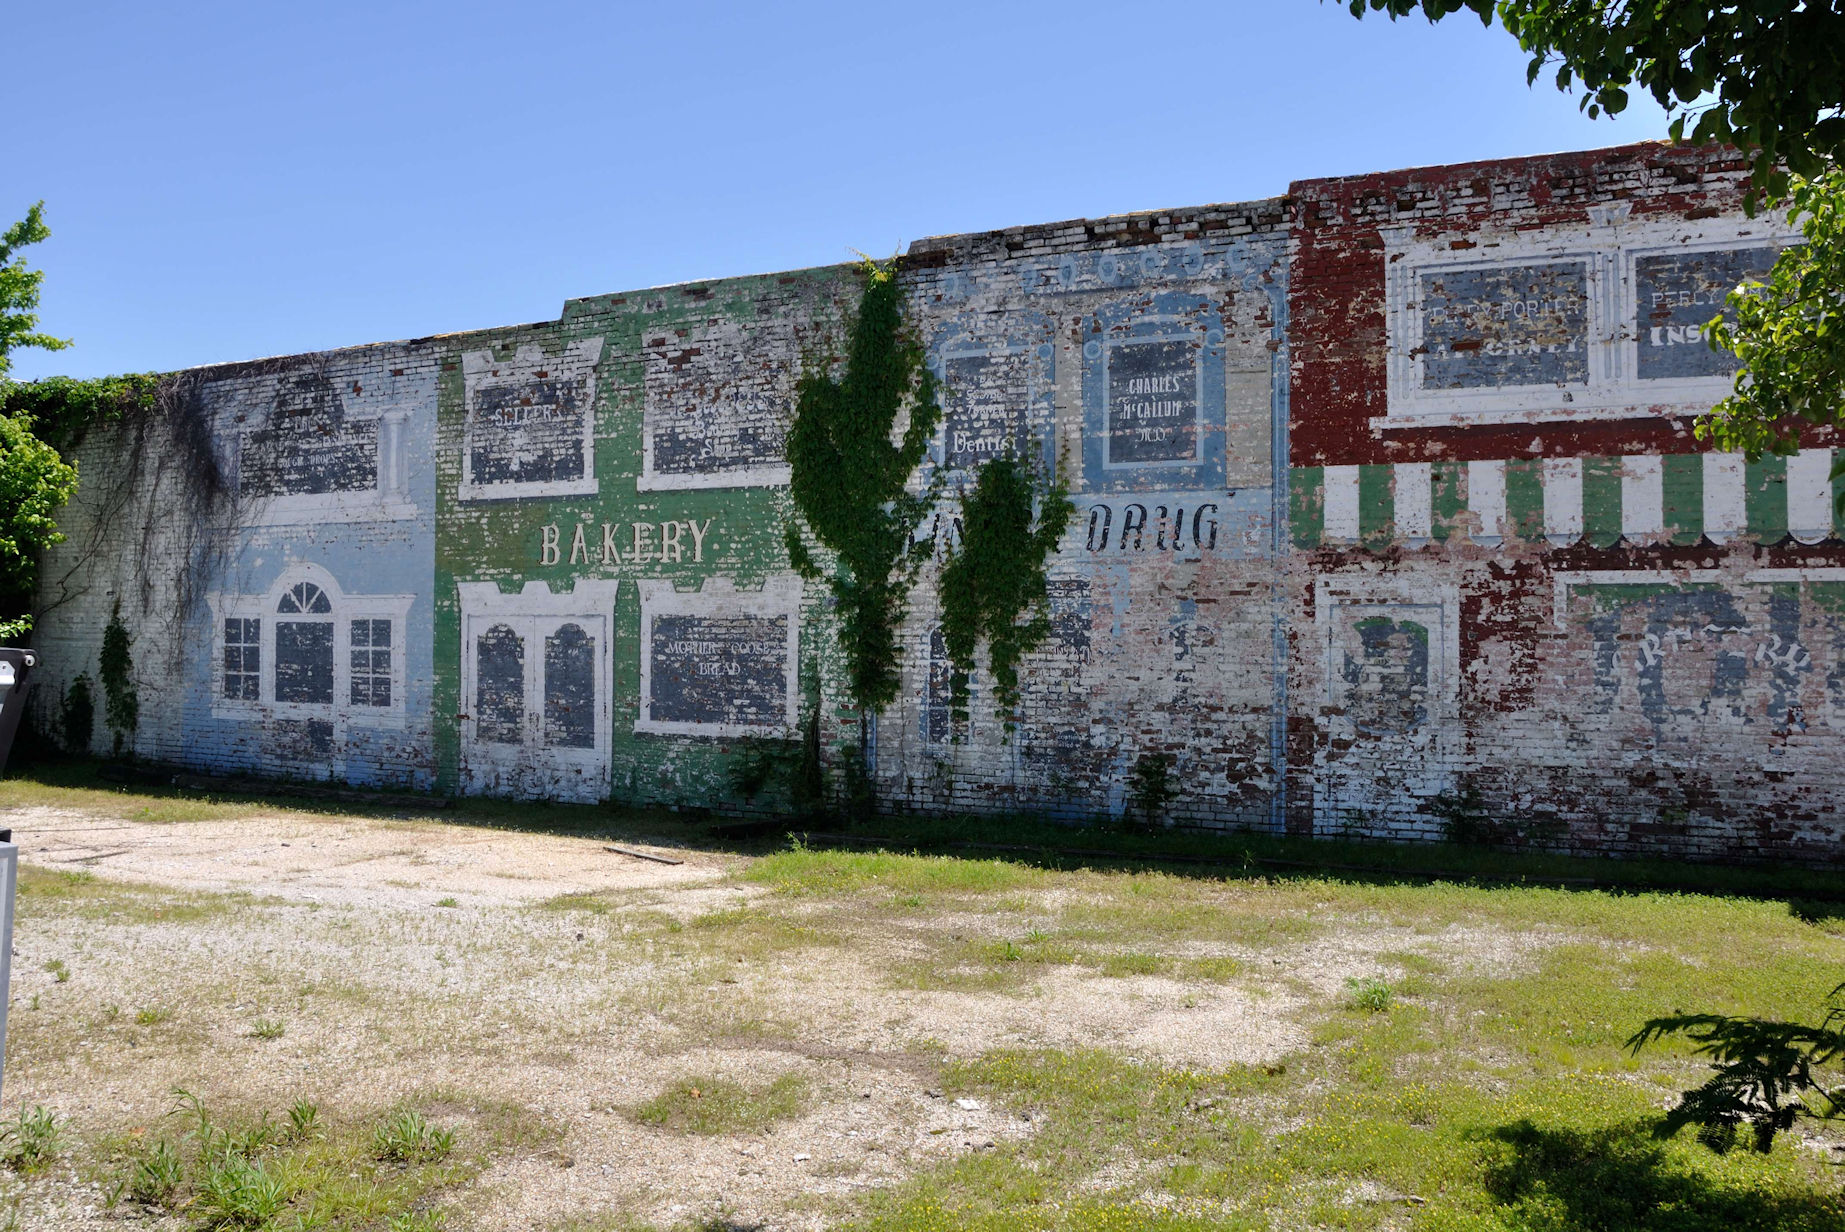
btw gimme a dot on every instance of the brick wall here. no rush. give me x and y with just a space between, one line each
1389 516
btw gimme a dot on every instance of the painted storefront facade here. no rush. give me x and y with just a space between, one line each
1388 512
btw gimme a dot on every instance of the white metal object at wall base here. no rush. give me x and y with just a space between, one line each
9 881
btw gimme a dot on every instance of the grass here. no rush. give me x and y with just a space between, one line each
720 1106
1474 1077
302 1170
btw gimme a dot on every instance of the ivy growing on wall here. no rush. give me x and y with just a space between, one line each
121 700
993 587
851 467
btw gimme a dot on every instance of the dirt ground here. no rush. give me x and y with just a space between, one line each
403 958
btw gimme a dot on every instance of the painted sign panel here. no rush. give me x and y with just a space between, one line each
719 400
530 422
1675 294
1524 324
1153 401
309 446
729 669
986 404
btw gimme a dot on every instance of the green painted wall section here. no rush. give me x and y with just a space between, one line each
500 540
1682 490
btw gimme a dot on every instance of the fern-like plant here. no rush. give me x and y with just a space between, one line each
1766 1074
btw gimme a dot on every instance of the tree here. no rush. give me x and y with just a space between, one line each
1788 333
1767 76
19 287
34 480
1012 524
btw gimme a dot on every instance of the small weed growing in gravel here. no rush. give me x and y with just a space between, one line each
303 1120
156 1175
417 1221
1369 994
59 971
151 1016
267 1029
718 1106
407 1138
239 1193
31 1140
450 901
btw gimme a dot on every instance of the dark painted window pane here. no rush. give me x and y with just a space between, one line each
305 597
304 661
371 663
243 659
499 684
570 689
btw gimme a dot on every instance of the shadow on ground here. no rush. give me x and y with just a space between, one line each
1625 1179
1812 894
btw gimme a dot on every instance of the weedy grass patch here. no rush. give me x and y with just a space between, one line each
720 1106
303 1169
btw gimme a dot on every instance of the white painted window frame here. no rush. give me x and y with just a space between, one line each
590 604
388 501
774 475
346 609
1608 247
780 596
481 371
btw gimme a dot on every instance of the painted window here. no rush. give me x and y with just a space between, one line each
371 662
304 647
1586 322
243 659
530 422
307 650
499 673
570 689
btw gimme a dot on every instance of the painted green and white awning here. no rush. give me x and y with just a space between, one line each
1642 498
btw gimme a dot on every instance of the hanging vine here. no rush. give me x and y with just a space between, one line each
850 480
993 587
159 481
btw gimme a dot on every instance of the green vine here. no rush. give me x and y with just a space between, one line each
851 482
121 700
63 409
993 586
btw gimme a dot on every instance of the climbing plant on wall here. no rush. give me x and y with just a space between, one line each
993 588
853 449
121 700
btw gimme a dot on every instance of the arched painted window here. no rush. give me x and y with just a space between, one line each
570 689
499 702
304 647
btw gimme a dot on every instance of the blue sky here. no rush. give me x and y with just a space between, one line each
225 181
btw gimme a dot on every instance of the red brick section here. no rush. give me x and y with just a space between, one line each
1336 288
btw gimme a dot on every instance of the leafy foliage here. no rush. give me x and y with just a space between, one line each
1789 333
34 482
77 714
998 576
1768 1073
63 409
850 481
121 700
19 290
1765 75
1150 787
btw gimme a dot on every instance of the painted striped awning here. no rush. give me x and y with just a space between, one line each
1643 498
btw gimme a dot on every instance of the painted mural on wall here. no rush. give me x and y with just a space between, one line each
1385 498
